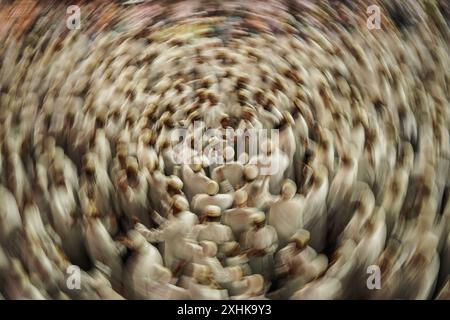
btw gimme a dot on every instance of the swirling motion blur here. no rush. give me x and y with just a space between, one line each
88 176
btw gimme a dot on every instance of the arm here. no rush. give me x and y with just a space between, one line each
224 275
158 218
153 235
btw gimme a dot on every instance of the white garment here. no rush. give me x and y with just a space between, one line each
102 190
339 195
222 275
296 262
301 136
102 248
146 155
169 158
103 288
215 232
201 201
233 172
238 219
286 216
19 185
265 239
300 266
315 215
258 193
174 234
10 219
287 144
159 197
273 165
134 201
202 292
102 148
194 182
325 288
140 271
394 200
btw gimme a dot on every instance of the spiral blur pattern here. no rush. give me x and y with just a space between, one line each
370 157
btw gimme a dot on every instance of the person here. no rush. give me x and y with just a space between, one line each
18 285
260 242
63 210
234 256
297 263
17 180
250 176
101 247
201 201
103 288
368 249
252 288
342 266
88 155
174 233
159 185
133 188
96 186
195 180
200 285
286 214
168 156
340 191
257 188
274 162
211 229
287 143
394 197
11 220
222 275
140 268
101 144
145 151
238 218
325 288
315 211
300 129
364 207
230 171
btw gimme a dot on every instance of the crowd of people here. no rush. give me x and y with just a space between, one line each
89 175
